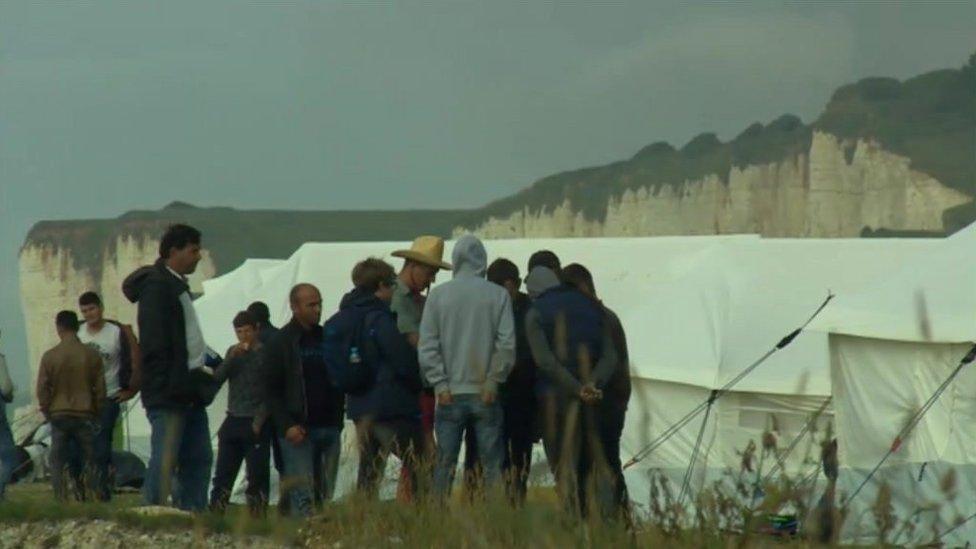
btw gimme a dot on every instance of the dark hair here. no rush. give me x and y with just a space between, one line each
245 318
545 258
89 298
502 270
67 321
260 311
178 236
580 277
293 294
369 273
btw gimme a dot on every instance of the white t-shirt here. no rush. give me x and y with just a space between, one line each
196 348
107 343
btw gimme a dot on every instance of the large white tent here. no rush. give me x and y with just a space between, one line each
892 345
697 310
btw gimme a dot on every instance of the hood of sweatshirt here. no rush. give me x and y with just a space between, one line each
469 257
136 282
540 280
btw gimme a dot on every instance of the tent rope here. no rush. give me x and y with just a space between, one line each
781 459
686 482
956 527
912 423
718 393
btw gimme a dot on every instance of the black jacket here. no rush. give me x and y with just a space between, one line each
285 393
518 391
617 391
396 392
162 333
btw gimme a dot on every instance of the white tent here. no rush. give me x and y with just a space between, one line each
891 347
697 310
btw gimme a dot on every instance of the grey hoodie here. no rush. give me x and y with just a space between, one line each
467 335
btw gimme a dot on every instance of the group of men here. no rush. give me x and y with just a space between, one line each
418 371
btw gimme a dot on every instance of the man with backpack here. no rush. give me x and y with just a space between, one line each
305 405
467 349
375 365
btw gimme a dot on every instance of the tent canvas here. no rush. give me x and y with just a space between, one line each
891 346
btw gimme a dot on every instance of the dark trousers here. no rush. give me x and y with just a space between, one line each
574 443
611 427
104 428
284 502
237 443
403 438
65 432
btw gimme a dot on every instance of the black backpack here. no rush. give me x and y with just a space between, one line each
345 337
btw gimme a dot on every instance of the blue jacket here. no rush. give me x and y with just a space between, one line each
570 339
396 392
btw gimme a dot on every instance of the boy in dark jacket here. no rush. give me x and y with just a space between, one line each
244 435
173 360
387 413
306 408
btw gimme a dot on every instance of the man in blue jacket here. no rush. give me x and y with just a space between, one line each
386 413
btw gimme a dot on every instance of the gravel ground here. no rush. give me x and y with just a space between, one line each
101 534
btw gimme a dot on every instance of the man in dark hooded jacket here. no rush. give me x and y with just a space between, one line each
387 412
174 358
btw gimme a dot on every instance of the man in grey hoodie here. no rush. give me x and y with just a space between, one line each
467 349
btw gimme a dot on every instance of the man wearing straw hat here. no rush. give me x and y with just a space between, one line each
423 260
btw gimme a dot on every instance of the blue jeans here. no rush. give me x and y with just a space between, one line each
449 425
104 428
311 468
8 454
180 458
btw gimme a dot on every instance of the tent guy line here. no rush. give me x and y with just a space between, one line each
913 421
718 393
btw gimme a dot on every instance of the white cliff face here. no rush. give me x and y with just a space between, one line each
50 282
818 194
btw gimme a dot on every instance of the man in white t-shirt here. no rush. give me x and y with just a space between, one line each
117 346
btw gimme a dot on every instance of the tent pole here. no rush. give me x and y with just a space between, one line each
686 483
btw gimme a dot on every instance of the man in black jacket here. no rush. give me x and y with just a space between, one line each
612 409
306 408
173 368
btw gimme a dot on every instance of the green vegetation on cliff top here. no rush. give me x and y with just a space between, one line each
931 119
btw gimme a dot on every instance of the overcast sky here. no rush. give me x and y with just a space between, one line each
120 105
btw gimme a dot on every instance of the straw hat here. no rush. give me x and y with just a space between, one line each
428 250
